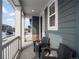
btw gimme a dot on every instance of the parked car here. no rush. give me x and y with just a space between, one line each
9 32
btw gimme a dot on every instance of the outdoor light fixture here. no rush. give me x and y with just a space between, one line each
33 10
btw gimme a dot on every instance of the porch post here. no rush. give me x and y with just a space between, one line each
43 24
0 29
18 26
39 28
0 38
23 36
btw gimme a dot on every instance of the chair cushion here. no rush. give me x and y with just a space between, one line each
52 54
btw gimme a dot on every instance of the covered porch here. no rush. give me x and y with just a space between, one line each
56 19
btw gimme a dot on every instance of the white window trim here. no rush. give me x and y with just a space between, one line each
56 16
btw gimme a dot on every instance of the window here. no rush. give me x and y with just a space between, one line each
53 15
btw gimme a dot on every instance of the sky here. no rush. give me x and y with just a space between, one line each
27 22
8 16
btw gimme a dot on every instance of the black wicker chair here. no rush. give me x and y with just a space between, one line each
45 42
63 52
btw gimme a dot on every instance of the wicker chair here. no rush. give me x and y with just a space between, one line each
63 52
45 42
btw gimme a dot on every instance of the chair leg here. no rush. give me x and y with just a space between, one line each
34 46
39 54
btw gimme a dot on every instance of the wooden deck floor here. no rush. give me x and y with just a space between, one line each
28 53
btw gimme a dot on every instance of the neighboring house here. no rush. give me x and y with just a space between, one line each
7 29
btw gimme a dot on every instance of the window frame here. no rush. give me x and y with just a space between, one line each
56 16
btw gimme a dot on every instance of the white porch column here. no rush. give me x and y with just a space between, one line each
43 24
0 33
39 28
0 29
18 26
18 22
0 38
23 36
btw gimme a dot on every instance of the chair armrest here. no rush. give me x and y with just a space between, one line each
49 49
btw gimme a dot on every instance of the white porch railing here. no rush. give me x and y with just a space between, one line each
10 48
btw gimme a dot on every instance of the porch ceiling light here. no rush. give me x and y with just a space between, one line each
33 10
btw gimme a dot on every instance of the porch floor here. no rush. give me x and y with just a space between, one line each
28 53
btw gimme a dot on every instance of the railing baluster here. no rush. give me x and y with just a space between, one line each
3 54
11 48
18 44
8 52
11 51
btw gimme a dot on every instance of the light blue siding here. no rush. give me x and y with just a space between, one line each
77 26
66 31
66 26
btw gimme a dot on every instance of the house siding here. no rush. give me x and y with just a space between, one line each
66 25
77 26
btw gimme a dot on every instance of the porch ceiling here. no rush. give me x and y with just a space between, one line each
29 5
